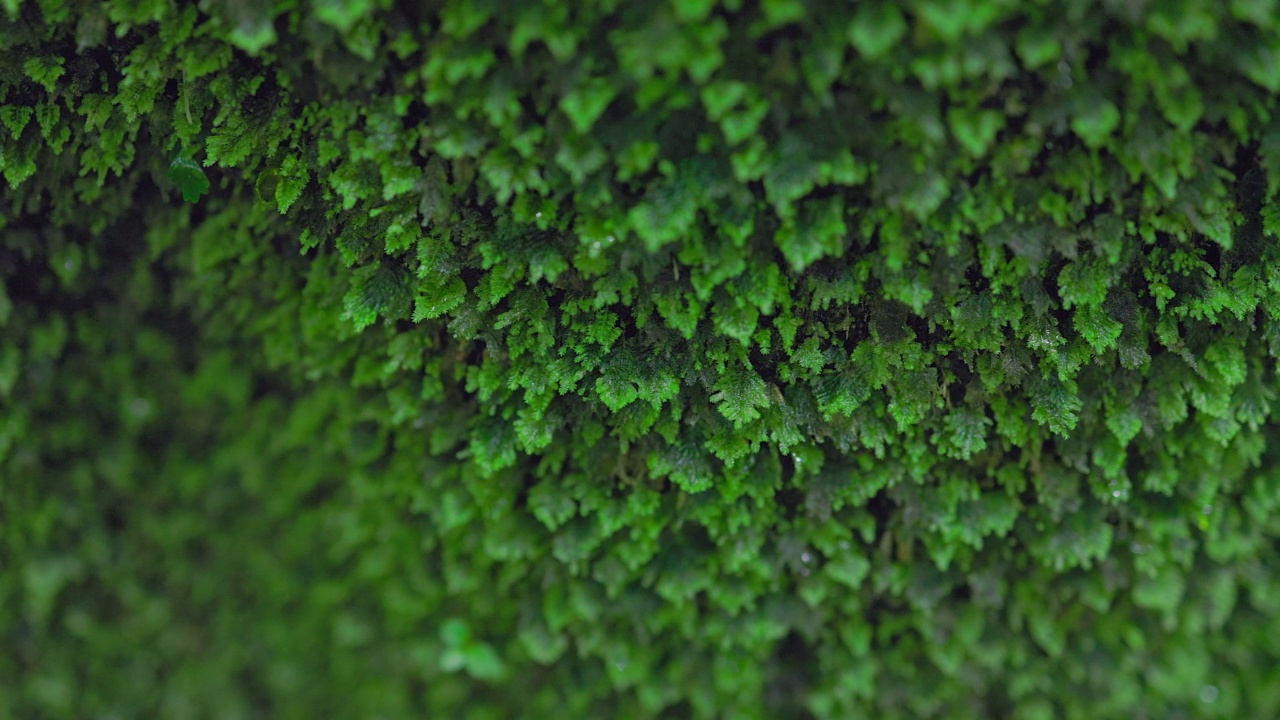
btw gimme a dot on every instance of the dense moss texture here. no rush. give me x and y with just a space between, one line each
776 358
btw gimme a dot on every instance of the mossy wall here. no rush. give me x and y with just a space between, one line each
461 358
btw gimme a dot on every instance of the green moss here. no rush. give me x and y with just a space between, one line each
606 359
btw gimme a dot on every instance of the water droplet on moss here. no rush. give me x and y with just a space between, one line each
140 407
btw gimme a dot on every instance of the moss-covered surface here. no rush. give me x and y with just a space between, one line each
734 359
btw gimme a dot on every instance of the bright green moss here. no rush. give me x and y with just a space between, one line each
639 359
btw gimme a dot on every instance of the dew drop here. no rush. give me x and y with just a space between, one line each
1207 509
844 544
140 407
68 265
805 558
537 215
805 572
1208 693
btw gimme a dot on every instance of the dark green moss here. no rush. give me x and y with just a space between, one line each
602 359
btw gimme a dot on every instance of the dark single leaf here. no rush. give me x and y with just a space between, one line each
188 176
